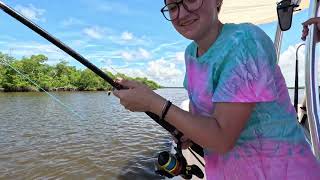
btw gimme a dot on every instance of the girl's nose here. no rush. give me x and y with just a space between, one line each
183 12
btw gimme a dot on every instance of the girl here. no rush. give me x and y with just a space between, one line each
240 110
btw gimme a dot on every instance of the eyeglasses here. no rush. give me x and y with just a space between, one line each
171 11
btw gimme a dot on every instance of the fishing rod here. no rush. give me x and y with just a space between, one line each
10 11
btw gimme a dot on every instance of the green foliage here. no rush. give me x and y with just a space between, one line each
2 69
147 82
89 81
59 76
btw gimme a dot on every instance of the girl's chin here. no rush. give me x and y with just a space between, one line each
189 32
189 35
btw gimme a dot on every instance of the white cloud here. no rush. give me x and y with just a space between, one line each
127 55
163 69
72 21
164 72
127 36
287 65
94 32
124 69
128 39
78 43
31 12
20 49
135 55
103 54
160 71
106 62
180 56
144 53
134 72
178 44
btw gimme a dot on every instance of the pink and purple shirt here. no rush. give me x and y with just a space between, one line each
241 66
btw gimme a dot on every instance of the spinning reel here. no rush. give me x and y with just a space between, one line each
171 165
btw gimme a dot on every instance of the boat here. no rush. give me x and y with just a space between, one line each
267 12
308 110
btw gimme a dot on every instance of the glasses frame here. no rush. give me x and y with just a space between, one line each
178 5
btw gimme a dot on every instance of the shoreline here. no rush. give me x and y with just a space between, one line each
3 90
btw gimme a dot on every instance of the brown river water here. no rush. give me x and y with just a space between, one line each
40 139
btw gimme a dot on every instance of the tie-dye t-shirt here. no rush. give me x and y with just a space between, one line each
241 66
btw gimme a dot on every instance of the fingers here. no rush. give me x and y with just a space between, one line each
310 21
122 94
175 139
127 83
305 33
182 139
117 93
186 144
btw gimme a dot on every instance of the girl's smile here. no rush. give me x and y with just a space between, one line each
187 22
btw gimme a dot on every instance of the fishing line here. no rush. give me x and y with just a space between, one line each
68 108
115 70
197 148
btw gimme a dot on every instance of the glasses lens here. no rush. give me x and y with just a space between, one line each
193 5
171 11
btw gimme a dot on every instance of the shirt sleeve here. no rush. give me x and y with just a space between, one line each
248 74
185 82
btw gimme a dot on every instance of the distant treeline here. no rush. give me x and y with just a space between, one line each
59 77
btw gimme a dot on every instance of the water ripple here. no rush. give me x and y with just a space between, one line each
41 140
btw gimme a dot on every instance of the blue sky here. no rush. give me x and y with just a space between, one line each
125 36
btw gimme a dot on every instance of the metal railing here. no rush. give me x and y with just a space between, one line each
311 83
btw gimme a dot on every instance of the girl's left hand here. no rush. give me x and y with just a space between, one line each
137 98
305 30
